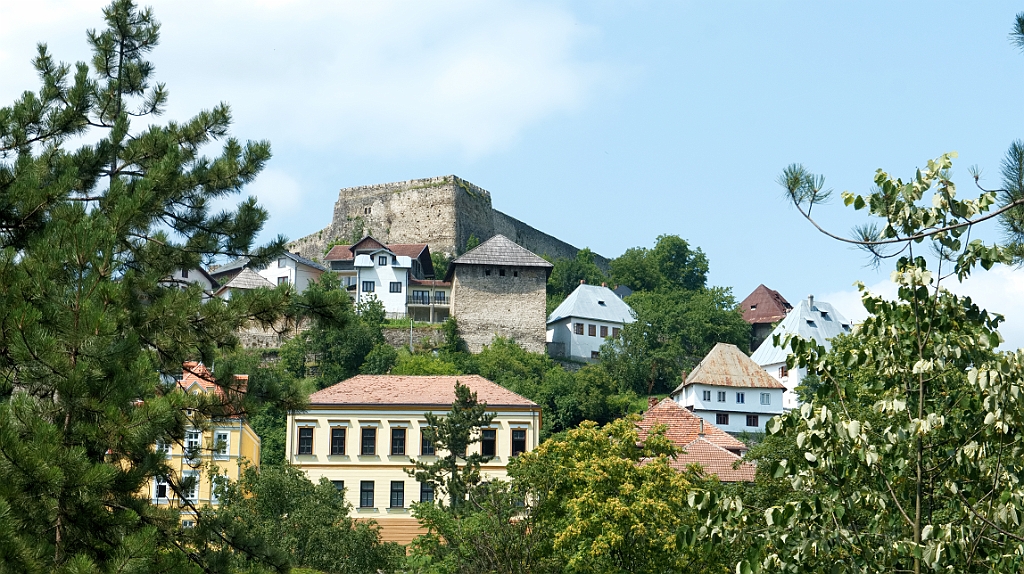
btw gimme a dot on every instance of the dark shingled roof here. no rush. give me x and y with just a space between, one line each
765 305
498 250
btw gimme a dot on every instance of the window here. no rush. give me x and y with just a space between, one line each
721 418
426 492
577 328
366 494
397 494
190 485
193 440
382 260
282 280
160 488
338 440
184 273
721 396
439 297
305 440
824 315
595 354
753 307
163 447
369 446
339 485
706 395
487 272
766 398
426 447
604 331
367 210
752 421
518 441
220 440
367 286
601 303
783 371
420 297
615 331
515 274
398 441
281 262
501 272
592 330
488 442
188 523
396 287
740 398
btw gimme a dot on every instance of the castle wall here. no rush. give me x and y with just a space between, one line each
489 306
442 212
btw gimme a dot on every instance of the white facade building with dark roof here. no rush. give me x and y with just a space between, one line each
731 391
293 270
810 319
585 320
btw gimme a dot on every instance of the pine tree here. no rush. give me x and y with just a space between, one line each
90 330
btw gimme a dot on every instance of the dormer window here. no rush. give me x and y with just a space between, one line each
382 260
811 323
824 315
601 303
184 273
753 307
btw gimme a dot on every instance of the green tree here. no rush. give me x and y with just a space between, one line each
307 524
913 463
602 502
670 266
567 274
380 360
456 471
90 327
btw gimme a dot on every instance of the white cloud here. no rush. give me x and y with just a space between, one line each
1000 290
376 78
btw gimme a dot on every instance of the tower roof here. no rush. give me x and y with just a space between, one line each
764 305
811 320
499 251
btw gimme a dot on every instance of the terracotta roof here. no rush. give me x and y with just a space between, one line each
413 250
727 366
684 427
431 391
764 305
498 250
196 373
714 460
368 243
339 253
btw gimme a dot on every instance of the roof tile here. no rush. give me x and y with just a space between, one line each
727 366
684 427
430 391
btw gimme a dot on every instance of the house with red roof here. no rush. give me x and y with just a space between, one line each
763 309
365 432
399 275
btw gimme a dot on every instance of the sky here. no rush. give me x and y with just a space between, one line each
605 124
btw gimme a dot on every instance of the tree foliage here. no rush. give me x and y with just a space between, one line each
566 275
90 326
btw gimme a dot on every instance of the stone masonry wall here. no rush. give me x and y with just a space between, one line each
442 212
493 306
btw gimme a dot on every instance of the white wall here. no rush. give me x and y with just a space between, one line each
791 381
296 274
383 276
579 346
693 397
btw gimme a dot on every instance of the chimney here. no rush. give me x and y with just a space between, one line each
701 433
810 302
582 281
603 284
652 402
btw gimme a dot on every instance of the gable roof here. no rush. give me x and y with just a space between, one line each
426 391
340 253
685 427
595 302
246 279
714 460
764 305
810 319
420 251
195 374
727 366
367 242
243 262
304 261
498 250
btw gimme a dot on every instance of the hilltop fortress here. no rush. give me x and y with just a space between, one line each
442 212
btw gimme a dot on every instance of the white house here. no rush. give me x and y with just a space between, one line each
401 276
245 280
184 277
288 269
580 325
810 319
730 390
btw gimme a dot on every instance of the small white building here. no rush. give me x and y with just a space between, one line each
810 319
580 325
184 277
731 391
288 269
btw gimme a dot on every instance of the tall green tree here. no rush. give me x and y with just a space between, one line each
90 326
566 275
670 266
456 471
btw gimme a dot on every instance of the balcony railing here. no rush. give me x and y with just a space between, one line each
438 300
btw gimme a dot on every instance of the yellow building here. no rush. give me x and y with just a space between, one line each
220 448
363 434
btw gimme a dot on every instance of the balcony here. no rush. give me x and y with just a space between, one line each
424 300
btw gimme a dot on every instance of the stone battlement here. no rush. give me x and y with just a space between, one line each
442 212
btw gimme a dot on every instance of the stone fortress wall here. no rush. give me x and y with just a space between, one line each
442 212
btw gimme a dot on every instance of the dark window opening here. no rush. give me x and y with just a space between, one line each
367 286
752 421
518 442
426 492
577 328
604 331
396 287
592 330
426 447
721 418
397 494
306 440
398 441
501 272
488 442
366 494
369 441
338 440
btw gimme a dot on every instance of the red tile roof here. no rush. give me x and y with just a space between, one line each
196 373
727 366
684 427
344 252
714 460
339 253
408 249
429 391
764 305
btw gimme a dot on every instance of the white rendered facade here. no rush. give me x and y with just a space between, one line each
575 334
384 276
286 270
732 409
